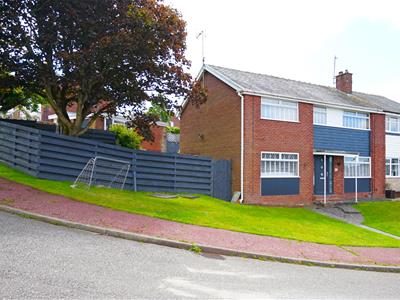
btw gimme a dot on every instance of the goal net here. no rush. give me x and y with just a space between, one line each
103 171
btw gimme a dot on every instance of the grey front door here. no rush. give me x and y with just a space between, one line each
319 174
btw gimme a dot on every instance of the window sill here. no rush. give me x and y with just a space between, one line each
282 177
279 120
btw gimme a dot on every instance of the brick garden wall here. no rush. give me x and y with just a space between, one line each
158 144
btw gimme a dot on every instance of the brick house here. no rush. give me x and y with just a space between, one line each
295 143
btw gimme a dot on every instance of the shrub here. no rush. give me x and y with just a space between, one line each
173 129
126 137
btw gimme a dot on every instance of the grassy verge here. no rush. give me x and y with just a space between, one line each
384 216
291 223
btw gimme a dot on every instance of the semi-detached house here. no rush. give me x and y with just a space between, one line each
295 143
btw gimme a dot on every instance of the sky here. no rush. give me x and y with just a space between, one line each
299 39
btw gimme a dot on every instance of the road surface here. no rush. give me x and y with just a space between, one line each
39 260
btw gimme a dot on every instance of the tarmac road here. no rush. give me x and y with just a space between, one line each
39 260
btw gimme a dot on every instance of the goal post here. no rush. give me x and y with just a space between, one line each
103 171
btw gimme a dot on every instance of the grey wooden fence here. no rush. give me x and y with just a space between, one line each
52 156
92 134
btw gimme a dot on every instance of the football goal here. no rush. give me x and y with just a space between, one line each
103 171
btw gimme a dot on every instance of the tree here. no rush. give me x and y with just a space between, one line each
101 56
159 112
13 95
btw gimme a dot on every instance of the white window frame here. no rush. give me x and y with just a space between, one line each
279 104
391 167
297 160
322 111
357 162
358 115
388 122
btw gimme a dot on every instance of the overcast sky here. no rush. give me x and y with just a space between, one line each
298 39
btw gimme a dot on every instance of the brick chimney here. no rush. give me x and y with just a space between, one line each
344 82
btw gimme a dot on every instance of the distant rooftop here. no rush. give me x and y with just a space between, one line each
266 84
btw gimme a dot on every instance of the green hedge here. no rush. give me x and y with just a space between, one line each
126 137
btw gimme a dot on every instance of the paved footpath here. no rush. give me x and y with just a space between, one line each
28 199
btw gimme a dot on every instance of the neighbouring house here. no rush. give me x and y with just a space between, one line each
103 122
295 143
163 141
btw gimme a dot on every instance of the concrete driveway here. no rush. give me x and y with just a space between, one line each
38 260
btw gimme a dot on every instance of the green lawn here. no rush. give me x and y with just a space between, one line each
384 216
291 223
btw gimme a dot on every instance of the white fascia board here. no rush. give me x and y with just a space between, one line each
161 124
217 74
115 117
332 153
71 116
392 114
225 79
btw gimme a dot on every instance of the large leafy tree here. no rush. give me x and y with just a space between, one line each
99 55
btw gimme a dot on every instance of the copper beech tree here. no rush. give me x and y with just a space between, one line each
101 56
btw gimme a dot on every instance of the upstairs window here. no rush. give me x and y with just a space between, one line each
360 169
275 164
320 115
392 167
392 124
279 110
357 120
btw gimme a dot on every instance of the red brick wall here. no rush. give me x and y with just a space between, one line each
158 143
213 129
267 135
378 155
99 123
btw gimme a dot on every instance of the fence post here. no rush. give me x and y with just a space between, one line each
212 179
175 156
134 163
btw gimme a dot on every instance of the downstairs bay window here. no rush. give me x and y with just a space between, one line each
277 164
359 169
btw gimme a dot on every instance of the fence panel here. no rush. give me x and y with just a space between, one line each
222 182
19 147
155 171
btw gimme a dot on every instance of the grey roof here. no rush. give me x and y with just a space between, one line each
266 84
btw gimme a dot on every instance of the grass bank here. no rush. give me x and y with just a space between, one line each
291 223
384 216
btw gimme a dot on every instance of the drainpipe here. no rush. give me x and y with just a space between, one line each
241 145
356 180
324 179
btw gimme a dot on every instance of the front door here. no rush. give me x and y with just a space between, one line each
319 174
